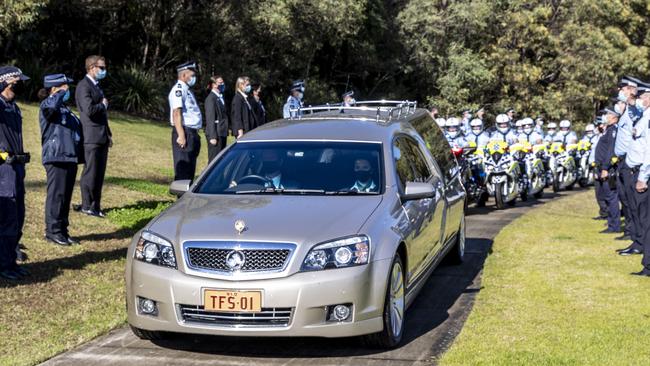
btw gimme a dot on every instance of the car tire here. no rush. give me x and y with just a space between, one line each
394 310
456 254
147 335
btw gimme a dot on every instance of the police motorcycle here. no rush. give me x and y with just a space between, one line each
562 166
503 175
470 160
586 171
530 158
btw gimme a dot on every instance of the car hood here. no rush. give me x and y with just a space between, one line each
281 218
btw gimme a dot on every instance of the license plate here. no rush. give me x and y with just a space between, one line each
229 301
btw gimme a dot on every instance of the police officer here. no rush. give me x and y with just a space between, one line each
604 155
441 122
600 197
539 126
503 132
12 173
630 168
551 131
565 136
528 133
292 107
348 99
454 135
642 197
630 115
464 123
61 136
477 135
185 119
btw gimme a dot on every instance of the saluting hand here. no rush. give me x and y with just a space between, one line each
180 140
641 186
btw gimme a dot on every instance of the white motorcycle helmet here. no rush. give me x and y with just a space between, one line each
589 130
477 126
527 125
441 122
565 126
453 127
519 126
551 128
503 123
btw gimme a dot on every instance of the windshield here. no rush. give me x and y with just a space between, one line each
297 167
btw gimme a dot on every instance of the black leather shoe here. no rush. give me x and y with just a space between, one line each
57 239
73 241
629 251
643 273
600 218
608 231
22 271
94 213
624 249
623 237
10 275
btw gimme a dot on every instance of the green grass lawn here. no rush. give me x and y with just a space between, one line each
77 293
555 293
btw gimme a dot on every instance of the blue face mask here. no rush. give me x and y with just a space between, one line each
639 105
247 89
621 96
221 88
66 96
192 81
101 74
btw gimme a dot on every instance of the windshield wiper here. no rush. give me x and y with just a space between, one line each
271 190
350 192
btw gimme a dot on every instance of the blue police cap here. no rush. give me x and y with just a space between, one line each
642 88
53 80
9 72
610 111
298 85
628 81
190 65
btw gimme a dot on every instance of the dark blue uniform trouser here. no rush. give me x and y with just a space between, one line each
613 210
623 179
12 213
185 158
602 204
640 219
60 183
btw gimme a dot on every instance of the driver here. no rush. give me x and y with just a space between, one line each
272 168
363 172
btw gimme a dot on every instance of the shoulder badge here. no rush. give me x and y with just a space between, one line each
178 93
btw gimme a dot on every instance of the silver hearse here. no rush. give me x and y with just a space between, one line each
327 224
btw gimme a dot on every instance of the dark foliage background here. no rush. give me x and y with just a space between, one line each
552 58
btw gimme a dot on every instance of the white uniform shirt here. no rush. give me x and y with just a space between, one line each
181 97
533 138
292 103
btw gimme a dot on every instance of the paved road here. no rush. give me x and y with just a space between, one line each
432 323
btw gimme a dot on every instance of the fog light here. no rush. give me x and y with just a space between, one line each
147 306
339 313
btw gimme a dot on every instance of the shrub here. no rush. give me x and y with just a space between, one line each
136 91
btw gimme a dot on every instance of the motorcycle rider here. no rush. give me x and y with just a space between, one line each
503 131
528 133
589 133
519 127
454 135
477 135
565 136
551 131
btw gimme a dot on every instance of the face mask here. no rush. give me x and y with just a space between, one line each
528 130
564 133
192 81
476 131
362 175
639 105
590 134
300 95
621 96
452 134
618 108
221 88
66 96
247 89
101 74
503 129
551 132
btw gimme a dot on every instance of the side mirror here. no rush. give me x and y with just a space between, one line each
418 191
179 187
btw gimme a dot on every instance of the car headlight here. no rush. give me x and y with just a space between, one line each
155 250
347 252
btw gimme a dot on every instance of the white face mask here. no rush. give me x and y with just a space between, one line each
528 130
618 108
551 132
452 134
503 129
477 131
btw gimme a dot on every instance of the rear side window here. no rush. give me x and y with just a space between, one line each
437 144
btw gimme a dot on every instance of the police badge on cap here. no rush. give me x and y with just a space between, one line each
190 65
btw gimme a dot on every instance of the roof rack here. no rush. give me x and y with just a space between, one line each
386 110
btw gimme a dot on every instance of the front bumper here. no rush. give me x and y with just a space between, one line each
307 294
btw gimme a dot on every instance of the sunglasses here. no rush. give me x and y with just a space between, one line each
101 67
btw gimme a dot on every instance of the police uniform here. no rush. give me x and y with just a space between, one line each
564 138
532 137
629 171
292 107
603 159
602 204
61 136
481 139
181 97
12 177
510 137
457 141
643 199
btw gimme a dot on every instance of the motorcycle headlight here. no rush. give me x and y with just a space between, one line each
346 252
155 250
